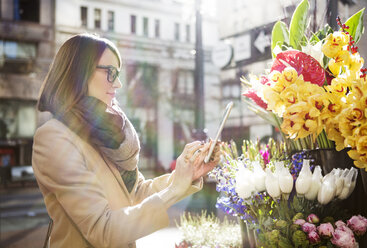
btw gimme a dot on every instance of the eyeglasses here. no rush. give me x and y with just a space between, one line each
112 72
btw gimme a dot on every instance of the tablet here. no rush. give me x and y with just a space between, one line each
225 117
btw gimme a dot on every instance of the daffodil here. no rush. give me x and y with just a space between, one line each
334 43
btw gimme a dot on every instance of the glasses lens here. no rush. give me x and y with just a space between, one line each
112 75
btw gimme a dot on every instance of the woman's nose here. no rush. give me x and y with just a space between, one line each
117 83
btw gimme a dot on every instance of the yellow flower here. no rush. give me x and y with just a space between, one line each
289 95
333 133
360 160
334 43
339 86
355 65
274 76
289 74
342 59
273 99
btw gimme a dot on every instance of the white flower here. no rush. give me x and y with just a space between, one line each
327 189
303 182
244 183
315 184
314 51
339 181
350 179
285 179
259 177
272 184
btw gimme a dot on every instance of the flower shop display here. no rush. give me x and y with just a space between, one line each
316 90
287 202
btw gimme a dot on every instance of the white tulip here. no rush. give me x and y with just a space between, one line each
244 183
303 182
285 180
339 181
327 189
315 184
259 177
272 184
350 179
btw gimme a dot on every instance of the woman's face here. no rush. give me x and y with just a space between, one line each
100 85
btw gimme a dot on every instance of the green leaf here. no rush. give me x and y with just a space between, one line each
279 35
355 23
298 24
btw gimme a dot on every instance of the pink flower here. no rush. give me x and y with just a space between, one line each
251 93
299 222
312 218
358 224
308 227
343 237
339 223
325 230
266 156
313 237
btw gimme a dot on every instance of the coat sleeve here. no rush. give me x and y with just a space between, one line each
148 187
60 167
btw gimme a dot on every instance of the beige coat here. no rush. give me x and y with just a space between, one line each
86 197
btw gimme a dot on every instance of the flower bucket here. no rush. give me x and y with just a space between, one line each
248 235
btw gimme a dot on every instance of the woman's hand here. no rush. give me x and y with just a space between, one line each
201 168
190 164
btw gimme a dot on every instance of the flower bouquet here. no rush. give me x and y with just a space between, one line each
284 201
316 90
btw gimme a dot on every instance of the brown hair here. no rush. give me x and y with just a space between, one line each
66 82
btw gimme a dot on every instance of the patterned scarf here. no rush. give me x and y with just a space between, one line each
109 130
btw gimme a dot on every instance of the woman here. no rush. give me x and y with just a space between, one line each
85 158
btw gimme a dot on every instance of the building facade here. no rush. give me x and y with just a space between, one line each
26 50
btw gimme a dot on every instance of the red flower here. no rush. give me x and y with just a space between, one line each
304 64
251 93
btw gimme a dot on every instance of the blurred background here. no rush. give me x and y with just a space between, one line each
182 65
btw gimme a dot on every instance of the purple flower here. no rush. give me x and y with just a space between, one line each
343 237
358 224
313 237
299 222
326 230
308 227
312 218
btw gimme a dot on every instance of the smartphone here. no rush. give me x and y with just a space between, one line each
224 118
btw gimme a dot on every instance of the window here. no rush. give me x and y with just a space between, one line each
157 29
27 10
84 16
188 33
145 27
133 24
97 18
111 20
17 57
177 31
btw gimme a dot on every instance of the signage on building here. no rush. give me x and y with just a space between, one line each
253 45
222 55
242 47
